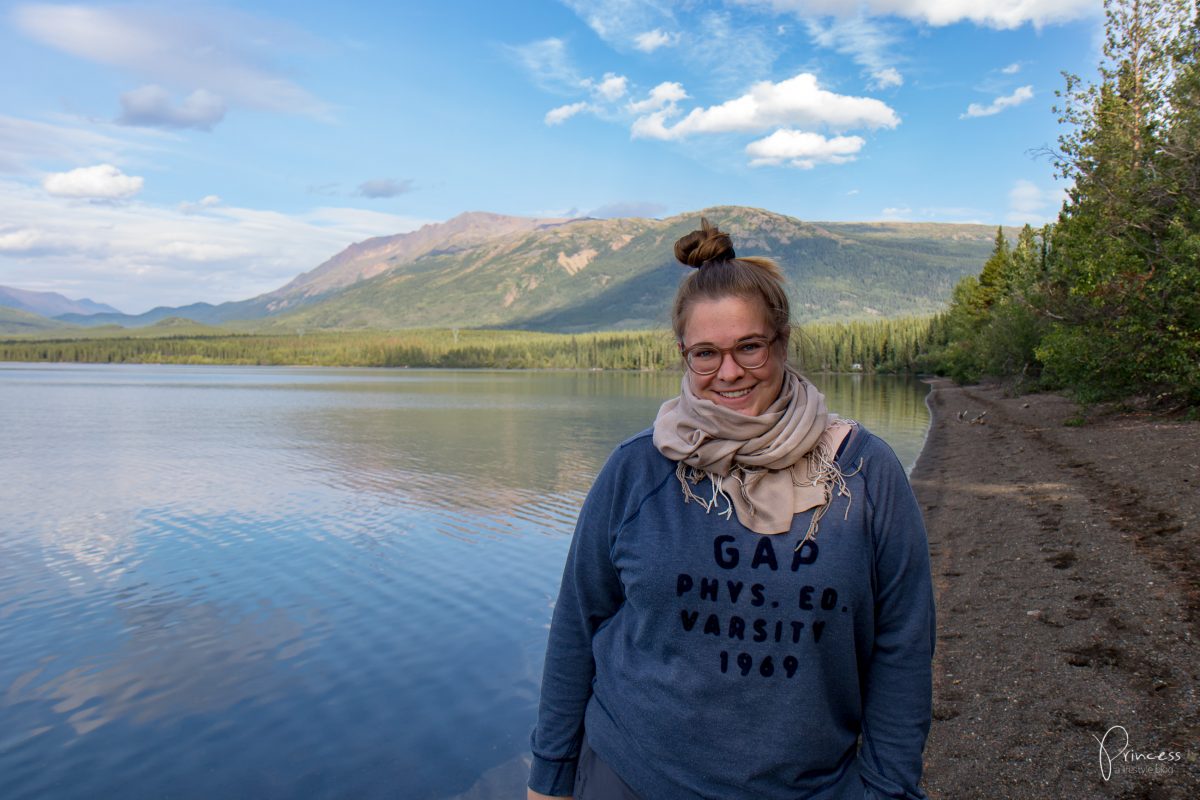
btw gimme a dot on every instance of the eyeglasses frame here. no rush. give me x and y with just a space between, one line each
730 350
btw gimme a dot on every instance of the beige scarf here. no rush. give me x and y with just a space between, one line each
779 462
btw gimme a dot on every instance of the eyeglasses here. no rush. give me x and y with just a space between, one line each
752 353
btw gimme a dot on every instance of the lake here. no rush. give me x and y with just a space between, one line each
322 583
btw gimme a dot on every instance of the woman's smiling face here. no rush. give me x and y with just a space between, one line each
723 323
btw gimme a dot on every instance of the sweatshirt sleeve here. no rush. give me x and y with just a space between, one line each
590 593
898 697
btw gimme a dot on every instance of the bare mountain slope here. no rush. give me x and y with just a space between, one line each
371 257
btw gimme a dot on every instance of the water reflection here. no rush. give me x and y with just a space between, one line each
280 583
892 408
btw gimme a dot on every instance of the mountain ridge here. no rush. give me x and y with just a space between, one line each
575 274
616 274
50 304
370 257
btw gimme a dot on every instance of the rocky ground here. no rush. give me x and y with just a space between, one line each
1065 561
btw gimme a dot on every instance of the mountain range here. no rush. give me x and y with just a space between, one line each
49 304
489 270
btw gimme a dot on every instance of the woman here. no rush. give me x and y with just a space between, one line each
706 641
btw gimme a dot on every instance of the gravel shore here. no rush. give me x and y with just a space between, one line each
1066 562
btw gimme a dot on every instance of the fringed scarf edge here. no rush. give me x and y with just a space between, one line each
828 476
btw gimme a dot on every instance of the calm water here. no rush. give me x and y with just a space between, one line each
269 582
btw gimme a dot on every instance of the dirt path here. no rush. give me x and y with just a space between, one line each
1066 562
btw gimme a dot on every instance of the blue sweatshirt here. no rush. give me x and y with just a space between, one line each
708 661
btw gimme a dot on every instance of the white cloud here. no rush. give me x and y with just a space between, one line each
557 116
135 255
1003 14
1012 69
1021 95
549 65
897 213
27 144
151 106
651 126
611 88
803 149
551 69
887 78
865 40
353 224
205 203
1028 203
649 41
1025 198
665 95
222 51
103 181
730 53
797 101
622 22
704 38
661 103
729 49
23 240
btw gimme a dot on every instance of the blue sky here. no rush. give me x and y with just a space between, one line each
171 153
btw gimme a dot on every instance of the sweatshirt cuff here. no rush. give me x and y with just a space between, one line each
877 787
554 778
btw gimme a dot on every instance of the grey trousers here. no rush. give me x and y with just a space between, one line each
595 780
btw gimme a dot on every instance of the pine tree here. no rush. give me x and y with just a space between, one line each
1026 260
993 281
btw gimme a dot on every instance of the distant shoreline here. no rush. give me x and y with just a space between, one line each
888 346
676 370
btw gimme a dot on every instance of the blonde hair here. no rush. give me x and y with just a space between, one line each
719 273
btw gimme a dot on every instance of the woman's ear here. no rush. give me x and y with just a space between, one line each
785 336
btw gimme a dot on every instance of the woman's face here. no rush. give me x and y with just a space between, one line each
723 323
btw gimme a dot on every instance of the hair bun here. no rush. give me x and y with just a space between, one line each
704 245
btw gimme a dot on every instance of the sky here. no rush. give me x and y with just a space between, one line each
163 154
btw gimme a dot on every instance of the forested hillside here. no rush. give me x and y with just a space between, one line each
1106 301
14 320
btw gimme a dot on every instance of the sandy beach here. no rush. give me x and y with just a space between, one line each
1068 593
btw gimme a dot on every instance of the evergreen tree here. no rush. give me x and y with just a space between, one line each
1026 263
1121 252
993 281
1179 166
